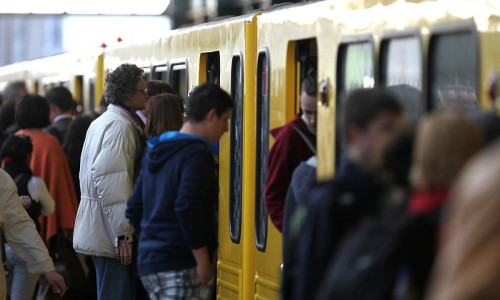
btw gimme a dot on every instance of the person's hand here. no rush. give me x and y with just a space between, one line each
25 201
124 252
205 272
56 281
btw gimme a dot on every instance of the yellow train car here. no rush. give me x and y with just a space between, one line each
76 71
430 53
223 53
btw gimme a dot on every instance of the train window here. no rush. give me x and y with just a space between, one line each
236 161
147 73
213 67
453 70
401 71
355 66
355 69
178 78
262 148
160 73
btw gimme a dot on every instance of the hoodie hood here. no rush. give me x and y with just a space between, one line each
164 146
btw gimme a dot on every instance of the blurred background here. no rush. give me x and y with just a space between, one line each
31 29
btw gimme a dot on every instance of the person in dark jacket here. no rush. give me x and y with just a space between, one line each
61 111
294 142
172 208
335 206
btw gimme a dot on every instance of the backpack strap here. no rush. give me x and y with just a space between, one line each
306 140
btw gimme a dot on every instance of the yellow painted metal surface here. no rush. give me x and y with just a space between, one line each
243 271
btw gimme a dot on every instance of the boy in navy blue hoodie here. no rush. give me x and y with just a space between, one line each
172 208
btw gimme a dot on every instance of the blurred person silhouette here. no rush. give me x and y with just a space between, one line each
49 163
18 230
109 165
16 156
10 96
444 143
468 263
335 207
73 145
166 113
61 111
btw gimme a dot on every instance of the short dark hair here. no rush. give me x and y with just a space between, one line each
362 106
60 97
121 83
156 87
32 111
204 98
17 148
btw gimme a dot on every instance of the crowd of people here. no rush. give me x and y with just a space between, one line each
130 195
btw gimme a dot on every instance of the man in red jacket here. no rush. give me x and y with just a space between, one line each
293 142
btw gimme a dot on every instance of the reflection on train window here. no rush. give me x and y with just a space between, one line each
147 74
160 73
355 69
356 64
262 148
453 70
236 161
401 72
213 67
178 79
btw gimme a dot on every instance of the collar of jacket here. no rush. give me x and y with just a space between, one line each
112 108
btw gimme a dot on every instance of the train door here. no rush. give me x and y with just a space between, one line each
306 64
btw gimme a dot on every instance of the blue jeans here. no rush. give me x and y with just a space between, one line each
114 280
20 284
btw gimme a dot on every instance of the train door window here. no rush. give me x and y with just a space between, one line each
147 73
236 161
401 71
355 69
306 62
178 78
160 73
213 67
262 147
453 70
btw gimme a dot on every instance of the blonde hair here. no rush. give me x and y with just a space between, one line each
444 143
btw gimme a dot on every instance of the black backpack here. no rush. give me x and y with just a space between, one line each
378 253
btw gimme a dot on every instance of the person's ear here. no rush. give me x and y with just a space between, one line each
212 115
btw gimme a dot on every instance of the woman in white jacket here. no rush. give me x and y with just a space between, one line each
35 198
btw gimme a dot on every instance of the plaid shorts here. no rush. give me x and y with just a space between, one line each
183 284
